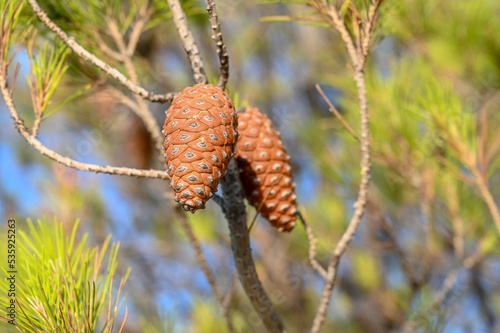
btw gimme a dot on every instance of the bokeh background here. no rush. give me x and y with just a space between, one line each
433 81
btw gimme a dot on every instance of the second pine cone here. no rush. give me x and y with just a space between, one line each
265 169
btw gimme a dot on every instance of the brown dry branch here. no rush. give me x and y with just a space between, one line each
221 47
358 59
234 210
35 143
91 58
188 42
200 257
312 247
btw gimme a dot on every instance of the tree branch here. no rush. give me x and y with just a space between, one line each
35 143
336 113
221 47
234 210
188 42
86 55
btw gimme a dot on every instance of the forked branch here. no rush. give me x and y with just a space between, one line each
358 57
42 149
86 55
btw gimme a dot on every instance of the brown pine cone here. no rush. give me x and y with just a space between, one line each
200 139
265 169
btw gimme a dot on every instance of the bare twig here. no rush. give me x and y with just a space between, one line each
200 257
235 213
221 47
188 42
219 200
361 202
312 247
360 206
86 55
19 123
336 113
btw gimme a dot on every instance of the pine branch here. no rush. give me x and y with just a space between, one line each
358 59
312 248
35 143
234 210
86 55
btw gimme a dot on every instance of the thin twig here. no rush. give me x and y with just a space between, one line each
312 247
221 47
240 245
188 42
361 202
86 55
219 200
200 257
336 113
35 143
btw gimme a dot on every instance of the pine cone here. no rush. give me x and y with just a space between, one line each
265 169
200 138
